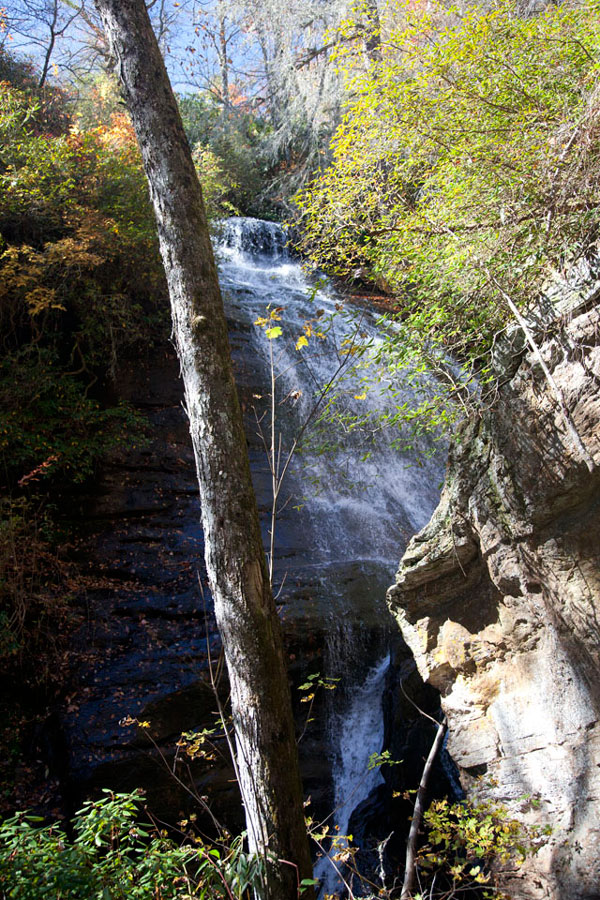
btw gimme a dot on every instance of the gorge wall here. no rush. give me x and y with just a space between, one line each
498 597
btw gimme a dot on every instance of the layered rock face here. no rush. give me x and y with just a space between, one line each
499 600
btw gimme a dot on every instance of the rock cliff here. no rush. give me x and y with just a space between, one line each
499 596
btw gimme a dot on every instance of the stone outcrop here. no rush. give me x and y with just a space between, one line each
499 599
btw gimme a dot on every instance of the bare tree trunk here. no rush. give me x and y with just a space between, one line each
413 835
245 611
50 47
223 60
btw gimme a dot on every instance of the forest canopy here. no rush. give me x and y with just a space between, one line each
466 168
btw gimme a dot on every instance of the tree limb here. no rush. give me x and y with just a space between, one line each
558 394
411 845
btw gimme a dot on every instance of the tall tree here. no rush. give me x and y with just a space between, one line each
210 64
294 76
244 606
65 37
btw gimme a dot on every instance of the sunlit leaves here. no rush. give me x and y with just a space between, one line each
470 840
472 147
376 760
217 184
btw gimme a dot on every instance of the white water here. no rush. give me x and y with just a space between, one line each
369 507
360 733
355 516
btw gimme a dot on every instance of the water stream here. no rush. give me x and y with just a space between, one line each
354 498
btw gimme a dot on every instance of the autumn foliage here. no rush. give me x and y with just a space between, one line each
80 283
80 288
466 168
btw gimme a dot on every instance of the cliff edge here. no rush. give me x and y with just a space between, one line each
499 596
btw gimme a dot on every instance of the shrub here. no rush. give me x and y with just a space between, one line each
468 846
114 857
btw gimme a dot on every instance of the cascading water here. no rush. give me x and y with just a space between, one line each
370 495
356 499
359 730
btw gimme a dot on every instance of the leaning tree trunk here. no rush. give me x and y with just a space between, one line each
245 611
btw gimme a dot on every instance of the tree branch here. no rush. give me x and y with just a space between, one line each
411 845
558 394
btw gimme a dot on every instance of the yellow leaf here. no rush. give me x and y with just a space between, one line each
301 342
360 396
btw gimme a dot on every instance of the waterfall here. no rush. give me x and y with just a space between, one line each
358 732
371 496
355 498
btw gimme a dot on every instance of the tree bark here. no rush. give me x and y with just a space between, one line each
245 610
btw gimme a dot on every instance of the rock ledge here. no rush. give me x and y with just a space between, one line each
499 600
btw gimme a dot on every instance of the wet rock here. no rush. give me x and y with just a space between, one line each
143 652
143 648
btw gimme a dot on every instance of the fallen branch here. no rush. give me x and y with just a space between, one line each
411 844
